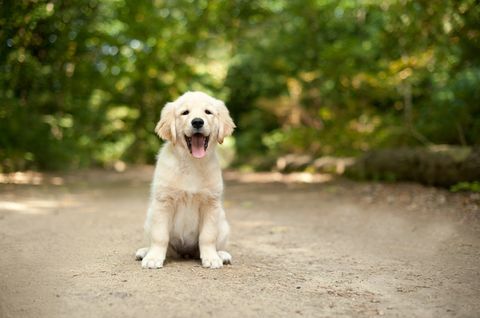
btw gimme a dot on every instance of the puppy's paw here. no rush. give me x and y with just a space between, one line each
213 261
141 252
153 260
225 256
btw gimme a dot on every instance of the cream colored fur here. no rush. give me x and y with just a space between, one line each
185 215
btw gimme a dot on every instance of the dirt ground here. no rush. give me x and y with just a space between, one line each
301 246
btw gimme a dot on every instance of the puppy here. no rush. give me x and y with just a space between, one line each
185 216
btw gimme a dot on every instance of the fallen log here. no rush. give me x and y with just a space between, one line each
438 166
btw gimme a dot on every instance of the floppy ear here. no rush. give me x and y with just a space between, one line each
166 126
225 122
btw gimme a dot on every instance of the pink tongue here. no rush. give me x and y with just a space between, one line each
198 143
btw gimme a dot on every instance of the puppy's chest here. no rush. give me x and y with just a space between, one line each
195 184
185 227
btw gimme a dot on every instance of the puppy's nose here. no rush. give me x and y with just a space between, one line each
197 123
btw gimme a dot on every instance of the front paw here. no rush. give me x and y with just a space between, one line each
212 261
225 256
151 260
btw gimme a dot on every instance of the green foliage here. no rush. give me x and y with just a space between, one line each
466 186
83 81
343 77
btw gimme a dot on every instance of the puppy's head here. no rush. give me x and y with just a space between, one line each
194 121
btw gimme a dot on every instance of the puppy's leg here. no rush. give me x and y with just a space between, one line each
159 228
209 230
222 240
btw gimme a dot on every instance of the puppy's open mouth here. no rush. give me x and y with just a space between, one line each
197 144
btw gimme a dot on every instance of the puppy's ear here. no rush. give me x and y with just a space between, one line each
166 126
225 122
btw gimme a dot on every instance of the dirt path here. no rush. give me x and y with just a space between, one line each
332 248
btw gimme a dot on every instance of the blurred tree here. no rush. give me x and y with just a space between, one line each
45 67
83 81
348 76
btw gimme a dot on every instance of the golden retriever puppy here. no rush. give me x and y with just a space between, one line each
185 216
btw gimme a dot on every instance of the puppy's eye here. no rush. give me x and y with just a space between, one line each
208 112
185 112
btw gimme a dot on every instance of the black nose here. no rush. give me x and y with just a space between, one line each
197 123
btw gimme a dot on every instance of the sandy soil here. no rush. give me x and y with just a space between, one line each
327 248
